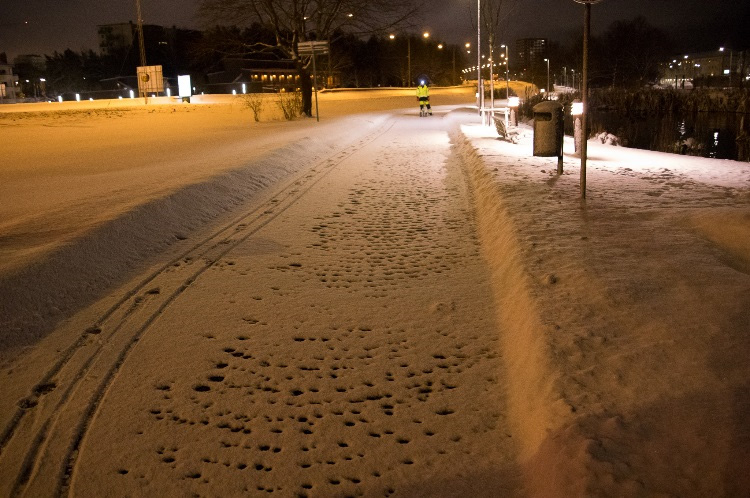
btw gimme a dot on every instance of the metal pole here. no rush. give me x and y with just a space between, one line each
142 46
480 87
408 61
453 74
507 68
548 88
315 87
492 76
584 96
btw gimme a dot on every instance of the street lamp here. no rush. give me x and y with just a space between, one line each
480 87
408 58
547 61
731 53
507 68
585 87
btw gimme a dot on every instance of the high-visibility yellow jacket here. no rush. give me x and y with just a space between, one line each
423 91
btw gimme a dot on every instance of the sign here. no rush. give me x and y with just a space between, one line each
183 83
150 79
312 48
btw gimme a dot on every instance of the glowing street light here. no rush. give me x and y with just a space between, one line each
547 61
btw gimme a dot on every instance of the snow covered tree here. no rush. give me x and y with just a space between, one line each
295 21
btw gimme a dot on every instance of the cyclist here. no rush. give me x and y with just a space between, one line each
423 97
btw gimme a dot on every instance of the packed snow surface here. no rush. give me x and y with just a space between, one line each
375 304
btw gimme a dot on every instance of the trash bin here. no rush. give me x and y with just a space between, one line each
548 129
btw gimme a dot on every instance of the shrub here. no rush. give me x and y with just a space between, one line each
254 102
290 104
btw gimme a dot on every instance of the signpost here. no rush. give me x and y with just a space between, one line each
313 48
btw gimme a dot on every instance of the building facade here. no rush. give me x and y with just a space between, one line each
9 84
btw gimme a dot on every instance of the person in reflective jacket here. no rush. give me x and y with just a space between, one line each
423 97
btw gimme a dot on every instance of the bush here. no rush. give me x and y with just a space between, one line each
254 102
290 104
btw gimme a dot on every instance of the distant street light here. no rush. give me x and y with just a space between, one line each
547 61
585 87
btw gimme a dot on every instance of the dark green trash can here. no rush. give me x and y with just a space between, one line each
548 130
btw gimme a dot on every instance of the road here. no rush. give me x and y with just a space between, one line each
334 337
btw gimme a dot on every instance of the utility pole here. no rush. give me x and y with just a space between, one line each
140 38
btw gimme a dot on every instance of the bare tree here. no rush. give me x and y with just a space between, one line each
295 21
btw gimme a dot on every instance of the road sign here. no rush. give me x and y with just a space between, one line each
312 48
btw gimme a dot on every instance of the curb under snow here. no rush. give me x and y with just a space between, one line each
537 407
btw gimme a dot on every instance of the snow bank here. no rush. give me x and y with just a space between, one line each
626 316
50 279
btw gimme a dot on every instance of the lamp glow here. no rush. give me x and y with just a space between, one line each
513 102
576 109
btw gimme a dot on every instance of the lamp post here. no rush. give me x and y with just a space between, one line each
731 53
547 61
585 88
408 58
507 68
480 87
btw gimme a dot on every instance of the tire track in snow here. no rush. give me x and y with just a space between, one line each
48 428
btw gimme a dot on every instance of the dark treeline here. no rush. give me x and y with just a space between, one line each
627 55
358 62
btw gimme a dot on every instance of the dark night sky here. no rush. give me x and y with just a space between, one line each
696 24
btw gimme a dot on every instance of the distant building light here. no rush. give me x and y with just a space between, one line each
59 98
132 94
169 92
120 97
576 109
513 102
78 97
234 92
244 88
726 71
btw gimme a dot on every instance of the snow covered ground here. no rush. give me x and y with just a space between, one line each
376 304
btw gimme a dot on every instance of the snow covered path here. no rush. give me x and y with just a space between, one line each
339 339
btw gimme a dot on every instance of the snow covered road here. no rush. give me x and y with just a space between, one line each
337 338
